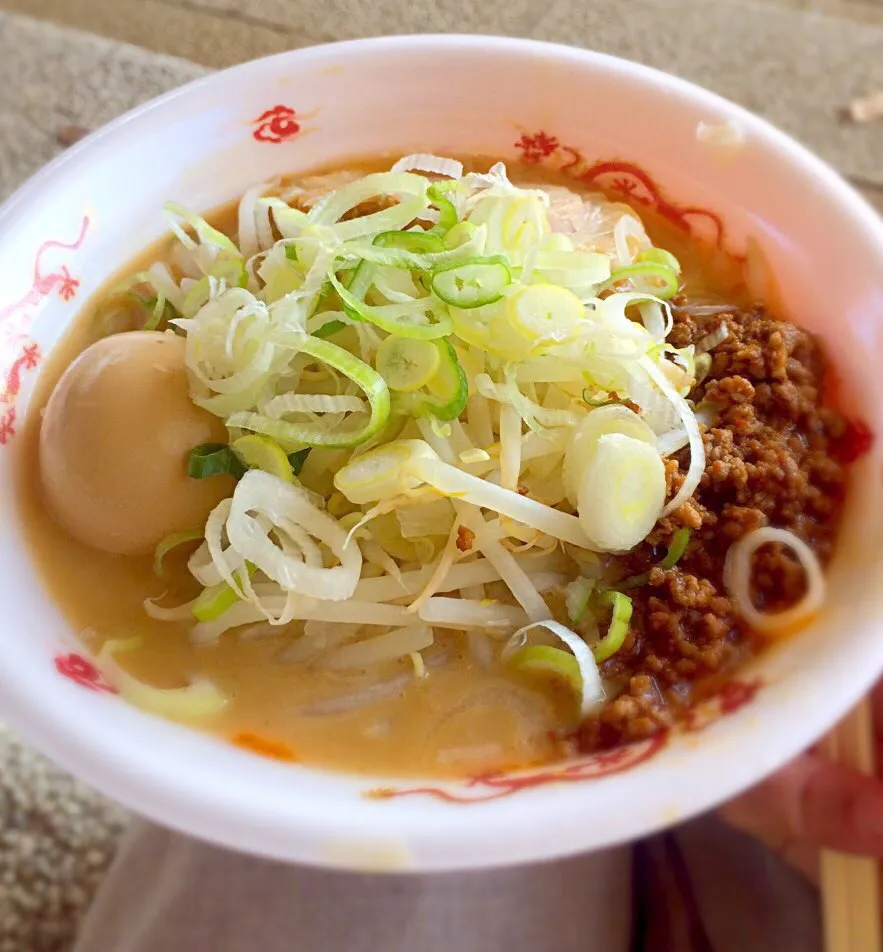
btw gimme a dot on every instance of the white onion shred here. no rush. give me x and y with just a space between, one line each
697 448
737 579
500 409
711 340
262 503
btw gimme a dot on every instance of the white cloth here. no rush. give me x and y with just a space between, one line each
702 887
168 893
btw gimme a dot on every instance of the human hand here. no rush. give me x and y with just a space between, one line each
813 804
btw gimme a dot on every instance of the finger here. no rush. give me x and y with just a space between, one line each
817 803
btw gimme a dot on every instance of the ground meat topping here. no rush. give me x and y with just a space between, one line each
770 460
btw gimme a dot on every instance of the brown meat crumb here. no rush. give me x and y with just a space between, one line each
465 538
770 460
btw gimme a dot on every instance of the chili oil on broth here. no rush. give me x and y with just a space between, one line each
460 719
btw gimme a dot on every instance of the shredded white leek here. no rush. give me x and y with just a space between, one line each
737 579
442 347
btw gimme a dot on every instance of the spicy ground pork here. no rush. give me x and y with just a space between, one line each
771 459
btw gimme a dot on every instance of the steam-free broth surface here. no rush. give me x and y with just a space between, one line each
461 717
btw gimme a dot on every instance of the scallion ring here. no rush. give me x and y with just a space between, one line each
472 283
621 606
657 273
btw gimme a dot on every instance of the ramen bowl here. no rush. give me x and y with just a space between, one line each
705 165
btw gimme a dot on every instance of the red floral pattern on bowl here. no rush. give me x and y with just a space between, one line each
493 786
276 125
620 178
83 672
17 352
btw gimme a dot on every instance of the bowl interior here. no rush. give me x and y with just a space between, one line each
608 123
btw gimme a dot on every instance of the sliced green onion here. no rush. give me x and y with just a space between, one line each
420 242
460 234
676 548
204 231
196 298
383 472
407 364
214 459
172 541
448 388
621 491
548 660
405 320
297 459
361 280
161 311
472 283
661 256
197 700
365 377
590 687
658 273
544 313
231 271
702 367
260 452
447 213
328 328
576 598
619 625
212 602
291 252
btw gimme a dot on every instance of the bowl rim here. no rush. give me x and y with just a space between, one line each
145 787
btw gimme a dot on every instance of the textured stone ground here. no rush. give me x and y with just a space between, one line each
797 61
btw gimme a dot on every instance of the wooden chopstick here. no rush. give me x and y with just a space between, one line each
850 884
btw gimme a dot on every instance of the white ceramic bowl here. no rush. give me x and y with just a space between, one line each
610 122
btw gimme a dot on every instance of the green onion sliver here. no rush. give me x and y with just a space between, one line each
661 256
197 700
471 283
204 231
365 377
297 460
447 214
172 541
213 601
576 598
548 660
589 687
619 626
676 548
160 311
328 328
406 320
214 459
658 273
448 389
407 364
420 242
